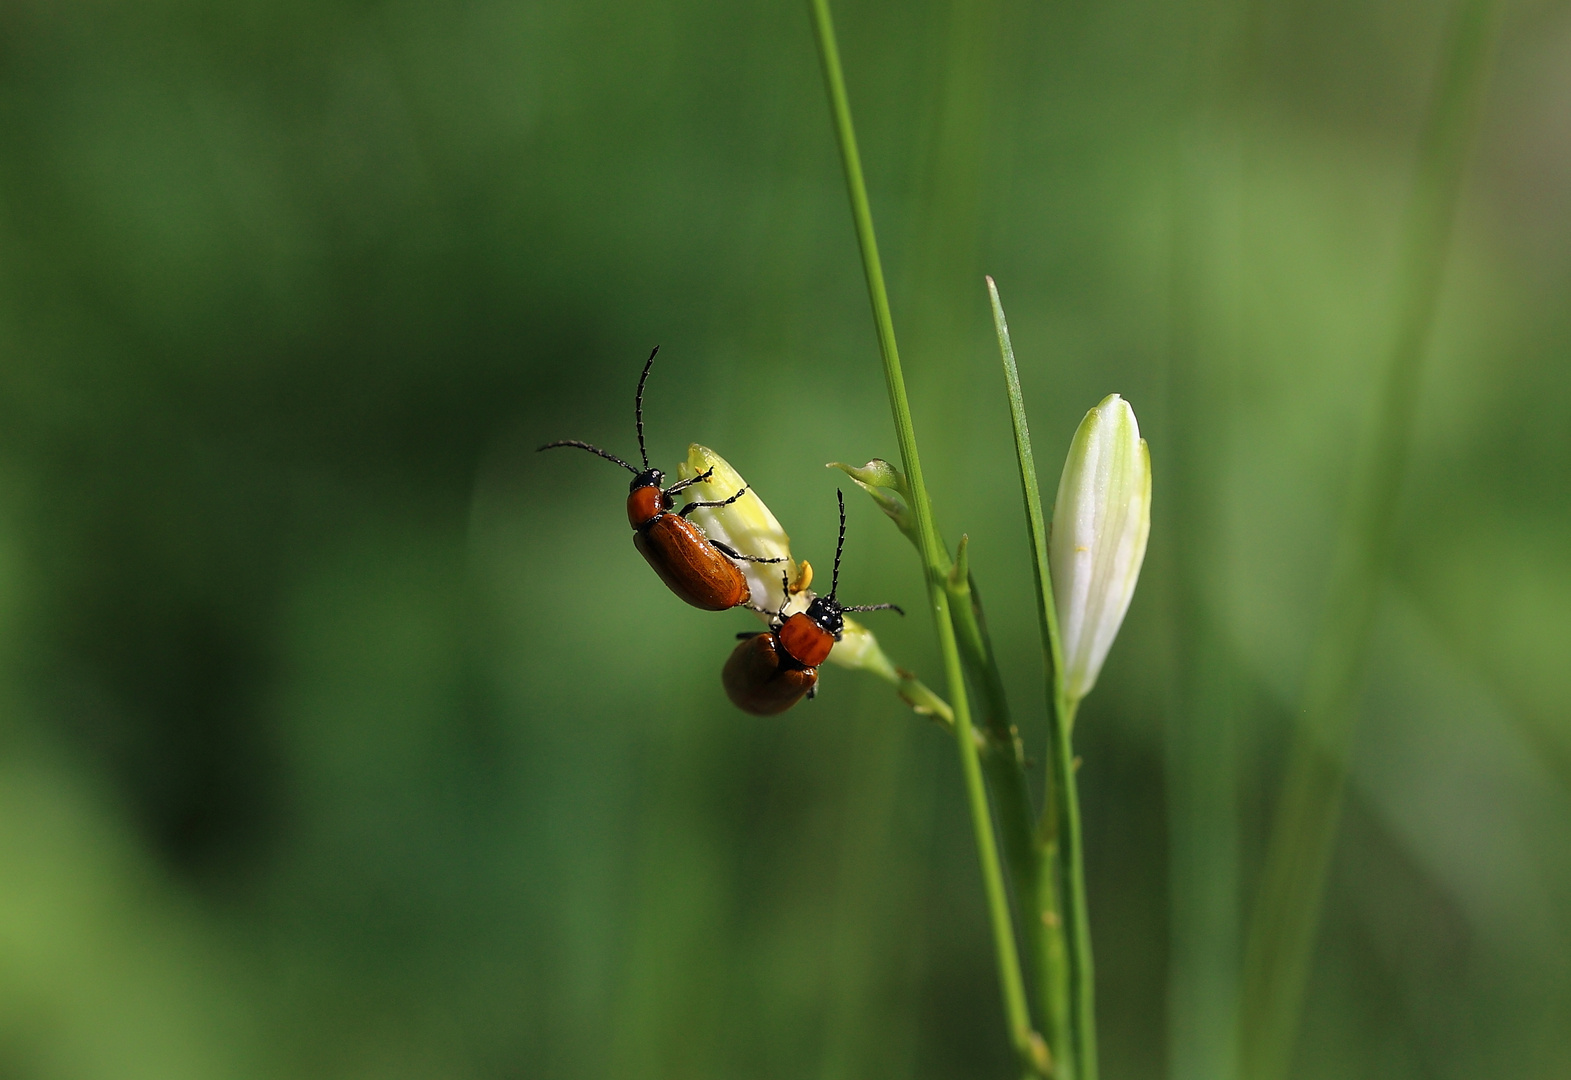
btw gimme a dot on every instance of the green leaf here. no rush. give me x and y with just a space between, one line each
1047 614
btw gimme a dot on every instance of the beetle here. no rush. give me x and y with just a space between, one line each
770 671
693 566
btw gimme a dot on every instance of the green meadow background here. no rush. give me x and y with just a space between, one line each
343 736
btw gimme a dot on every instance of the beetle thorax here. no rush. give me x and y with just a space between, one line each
645 503
804 640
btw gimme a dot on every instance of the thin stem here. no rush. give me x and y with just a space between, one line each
1004 765
916 694
1031 861
1071 1007
1024 1039
1077 923
1282 932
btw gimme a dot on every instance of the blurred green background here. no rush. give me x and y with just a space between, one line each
343 736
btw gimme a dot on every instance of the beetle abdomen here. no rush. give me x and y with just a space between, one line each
756 683
692 566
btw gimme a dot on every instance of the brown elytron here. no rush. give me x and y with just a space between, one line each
690 563
756 681
696 568
767 673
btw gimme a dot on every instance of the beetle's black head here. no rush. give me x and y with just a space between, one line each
826 612
647 478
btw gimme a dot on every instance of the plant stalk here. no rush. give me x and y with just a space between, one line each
1028 1045
1030 865
1071 1007
1071 860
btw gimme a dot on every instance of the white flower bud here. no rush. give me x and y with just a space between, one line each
745 526
1101 520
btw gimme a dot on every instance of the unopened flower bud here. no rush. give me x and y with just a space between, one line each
745 526
878 478
1101 520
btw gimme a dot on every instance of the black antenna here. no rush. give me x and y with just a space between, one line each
834 581
896 608
638 405
592 450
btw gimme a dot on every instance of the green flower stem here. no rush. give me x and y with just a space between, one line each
1031 863
1005 759
1060 825
916 694
1071 860
1052 948
1282 932
1026 1042
1029 866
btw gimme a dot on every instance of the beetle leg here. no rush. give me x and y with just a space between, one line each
747 635
690 481
690 507
812 692
776 618
733 553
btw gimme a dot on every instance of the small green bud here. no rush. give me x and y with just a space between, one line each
1101 520
877 473
960 569
878 477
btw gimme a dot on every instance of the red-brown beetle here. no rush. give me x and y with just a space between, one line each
768 672
696 568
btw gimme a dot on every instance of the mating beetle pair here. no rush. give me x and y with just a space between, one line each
768 672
